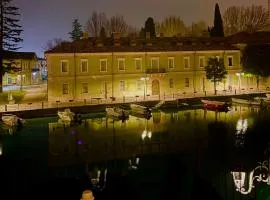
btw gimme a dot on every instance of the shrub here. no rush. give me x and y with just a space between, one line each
3 98
17 96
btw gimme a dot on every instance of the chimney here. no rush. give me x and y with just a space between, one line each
85 35
116 35
133 43
116 38
99 43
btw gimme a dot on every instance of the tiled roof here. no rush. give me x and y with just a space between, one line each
261 37
19 55
124 44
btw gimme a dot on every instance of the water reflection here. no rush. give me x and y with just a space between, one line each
206 136
96 138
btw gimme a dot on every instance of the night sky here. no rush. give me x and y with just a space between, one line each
43 20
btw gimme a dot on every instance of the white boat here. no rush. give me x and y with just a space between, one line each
264 99
12 120
246 101
159 104
140 109
117 112
66 115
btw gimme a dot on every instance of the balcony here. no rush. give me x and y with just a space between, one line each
155 71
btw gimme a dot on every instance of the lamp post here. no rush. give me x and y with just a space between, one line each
260 173
239 74
145 79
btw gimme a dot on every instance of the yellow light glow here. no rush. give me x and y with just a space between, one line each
239 182
241 126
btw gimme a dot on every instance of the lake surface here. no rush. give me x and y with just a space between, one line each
187 154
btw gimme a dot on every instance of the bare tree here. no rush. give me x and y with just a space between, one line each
52 44
171 26
197 29
95 23
132 31
117 24
239 18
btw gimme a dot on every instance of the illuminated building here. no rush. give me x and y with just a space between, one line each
125 67
25 72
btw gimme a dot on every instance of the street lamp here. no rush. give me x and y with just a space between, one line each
239 74
258 174
145 79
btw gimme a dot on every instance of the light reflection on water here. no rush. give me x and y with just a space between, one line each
205 136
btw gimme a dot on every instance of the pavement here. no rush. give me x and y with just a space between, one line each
36 98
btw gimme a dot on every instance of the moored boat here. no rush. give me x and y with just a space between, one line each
247 101
66 115
12 120
215 105
117 112
135 108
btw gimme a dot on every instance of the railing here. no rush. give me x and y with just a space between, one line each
154 71
121 99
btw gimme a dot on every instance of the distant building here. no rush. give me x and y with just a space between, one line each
125 67
25 68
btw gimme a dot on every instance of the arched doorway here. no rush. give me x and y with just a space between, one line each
155 87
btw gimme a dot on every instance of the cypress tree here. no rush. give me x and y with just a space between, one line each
149 27
217 29
76 32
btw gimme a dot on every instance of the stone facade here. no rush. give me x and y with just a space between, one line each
123 70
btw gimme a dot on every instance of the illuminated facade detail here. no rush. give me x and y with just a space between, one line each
134 163
147 134
169 70
241 126
244 182
26 71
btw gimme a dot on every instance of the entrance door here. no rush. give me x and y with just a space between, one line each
155 87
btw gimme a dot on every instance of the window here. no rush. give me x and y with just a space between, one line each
103 65
122 86
154 62
186 62
85 88
65 88
201 62
171 62
230 61
9 80
64 66
171 83
139 85
121 64
138 63
186 82
84 65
